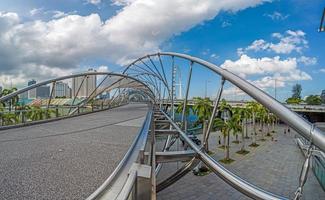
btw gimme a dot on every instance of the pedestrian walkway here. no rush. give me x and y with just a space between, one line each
66 159
274 166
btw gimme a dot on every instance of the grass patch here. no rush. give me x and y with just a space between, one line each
242 152
254 145
226 161
236 141
221 147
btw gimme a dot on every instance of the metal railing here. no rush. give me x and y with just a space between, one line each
120 183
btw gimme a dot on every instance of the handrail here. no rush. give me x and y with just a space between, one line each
231 178
302 126
11 95
113 185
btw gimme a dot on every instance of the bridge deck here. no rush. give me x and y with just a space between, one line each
66 159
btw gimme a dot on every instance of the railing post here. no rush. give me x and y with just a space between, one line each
214 112
173 88
56 111
153 157
23 116
184 125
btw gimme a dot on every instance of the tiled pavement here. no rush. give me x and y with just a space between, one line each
274 166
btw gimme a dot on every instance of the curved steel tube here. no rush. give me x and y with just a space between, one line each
186 168
229 177
303 127
113 185
4 98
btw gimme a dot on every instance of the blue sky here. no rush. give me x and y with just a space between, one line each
259 40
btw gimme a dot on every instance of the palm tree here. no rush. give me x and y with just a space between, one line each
232 125
262 116
179 110
222 107
243 115
13 101
222 126
203 110
253 109
273 121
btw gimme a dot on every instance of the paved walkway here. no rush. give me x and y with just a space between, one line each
274 165
66 159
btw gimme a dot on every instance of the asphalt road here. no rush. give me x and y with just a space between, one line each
66 159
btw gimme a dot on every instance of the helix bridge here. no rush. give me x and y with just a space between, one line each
152 80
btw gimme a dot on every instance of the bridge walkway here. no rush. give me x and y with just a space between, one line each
66 159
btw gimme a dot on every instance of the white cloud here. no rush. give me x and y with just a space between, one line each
225 24
102 68
277 16
214 56
35 11
307 60
289 42
270 68
322 70
138 28
258 45
251 66
95 2
122 2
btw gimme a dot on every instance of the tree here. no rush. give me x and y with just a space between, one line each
293 100
179 110
226 127
296 91
222 107
262 116
13 101
313 100
244 114
253 109
203 110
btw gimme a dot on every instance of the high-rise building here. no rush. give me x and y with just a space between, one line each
62 89
43 92
84 86
322 96
32 92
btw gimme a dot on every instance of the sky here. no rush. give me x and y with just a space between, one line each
272 44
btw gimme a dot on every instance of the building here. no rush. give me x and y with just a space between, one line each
31 93
104 95
84 86
43 92
322 96
23 95
62 89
